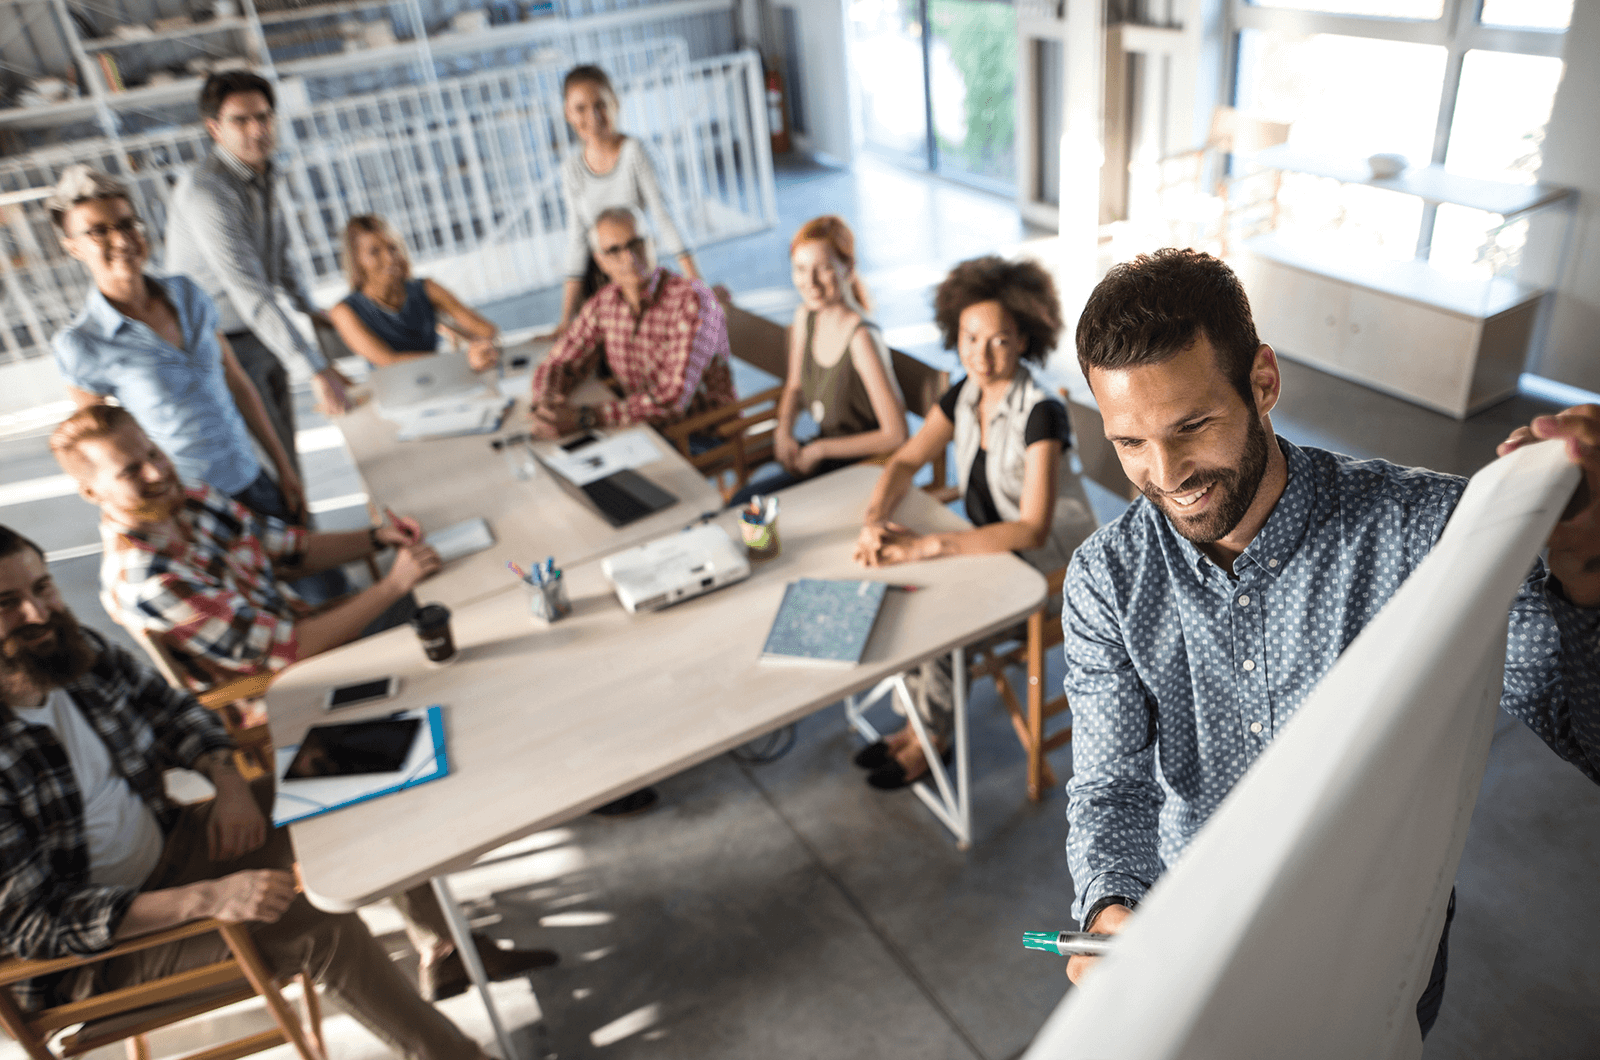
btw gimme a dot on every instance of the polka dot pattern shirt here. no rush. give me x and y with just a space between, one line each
1180 674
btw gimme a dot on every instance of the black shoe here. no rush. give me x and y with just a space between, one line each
873 755
892 775
630 804
449 977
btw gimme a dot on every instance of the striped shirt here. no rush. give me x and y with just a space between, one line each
48 907
227 231
671 358
205 584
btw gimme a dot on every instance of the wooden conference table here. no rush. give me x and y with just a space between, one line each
546 722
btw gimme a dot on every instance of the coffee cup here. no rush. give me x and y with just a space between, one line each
432 623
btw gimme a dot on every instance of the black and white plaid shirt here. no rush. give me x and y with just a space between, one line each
48 908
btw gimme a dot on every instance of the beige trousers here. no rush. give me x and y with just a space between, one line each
337 950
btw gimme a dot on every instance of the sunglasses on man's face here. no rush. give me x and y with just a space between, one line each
632 246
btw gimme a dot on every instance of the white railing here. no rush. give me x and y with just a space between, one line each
467 169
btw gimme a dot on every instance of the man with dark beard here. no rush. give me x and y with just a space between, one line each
202 572
92 851
1198 622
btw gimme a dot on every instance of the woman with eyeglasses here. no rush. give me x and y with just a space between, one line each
154 345
388 317
610 169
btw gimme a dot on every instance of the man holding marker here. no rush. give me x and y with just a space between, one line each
1198 622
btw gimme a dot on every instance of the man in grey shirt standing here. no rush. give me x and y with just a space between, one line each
227 232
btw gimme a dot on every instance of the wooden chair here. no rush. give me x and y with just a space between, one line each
1211 217
129 1014
992 660
921 384
253 740
747 428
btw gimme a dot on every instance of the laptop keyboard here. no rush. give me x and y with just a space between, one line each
618 505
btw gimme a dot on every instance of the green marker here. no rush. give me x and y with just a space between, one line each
1068 943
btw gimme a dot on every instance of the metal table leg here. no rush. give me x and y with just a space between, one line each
461 932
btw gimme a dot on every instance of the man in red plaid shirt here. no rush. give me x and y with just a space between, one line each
664 338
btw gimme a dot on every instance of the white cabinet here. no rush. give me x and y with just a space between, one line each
1451 361
1452 343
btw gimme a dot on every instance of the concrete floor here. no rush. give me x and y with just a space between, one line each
787 910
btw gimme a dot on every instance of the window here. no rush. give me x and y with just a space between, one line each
1527 14
1470 89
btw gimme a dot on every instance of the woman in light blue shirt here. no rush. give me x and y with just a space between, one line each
153 345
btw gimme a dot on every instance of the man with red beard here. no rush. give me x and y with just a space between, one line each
93 852
202 573
1198 622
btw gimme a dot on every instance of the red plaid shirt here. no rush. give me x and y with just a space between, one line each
671 358
206 586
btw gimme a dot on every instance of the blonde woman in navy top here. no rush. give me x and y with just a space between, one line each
388 317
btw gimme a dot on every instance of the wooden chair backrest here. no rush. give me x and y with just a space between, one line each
1100 461
1235 131
921 384
758 341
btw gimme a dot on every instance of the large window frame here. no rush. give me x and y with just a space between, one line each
1457 30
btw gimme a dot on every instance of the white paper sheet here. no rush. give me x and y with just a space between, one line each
449 418
462 539
609 455
1303 920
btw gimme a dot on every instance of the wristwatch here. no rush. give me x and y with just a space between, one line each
1100 907
588 418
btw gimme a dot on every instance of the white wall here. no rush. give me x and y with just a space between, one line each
824 77
1571 351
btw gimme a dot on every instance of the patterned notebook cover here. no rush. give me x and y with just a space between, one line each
824 623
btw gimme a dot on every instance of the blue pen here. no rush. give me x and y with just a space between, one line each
549 568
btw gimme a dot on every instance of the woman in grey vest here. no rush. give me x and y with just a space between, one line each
1011 437
389 317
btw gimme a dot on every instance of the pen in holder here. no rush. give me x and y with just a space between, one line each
518 454
547 590
758 526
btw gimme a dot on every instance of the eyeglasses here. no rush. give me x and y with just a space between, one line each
632 246
129 229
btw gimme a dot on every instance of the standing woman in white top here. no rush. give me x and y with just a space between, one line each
612 169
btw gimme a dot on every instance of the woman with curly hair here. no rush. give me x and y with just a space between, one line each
1011 437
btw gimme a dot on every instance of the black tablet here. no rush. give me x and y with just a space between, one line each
378 746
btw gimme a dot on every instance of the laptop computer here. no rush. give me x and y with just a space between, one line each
675 568
423 380
620 497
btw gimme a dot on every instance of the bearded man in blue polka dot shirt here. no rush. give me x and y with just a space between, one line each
1199 621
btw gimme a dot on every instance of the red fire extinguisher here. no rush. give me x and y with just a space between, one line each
777 113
